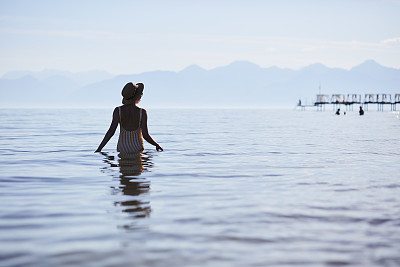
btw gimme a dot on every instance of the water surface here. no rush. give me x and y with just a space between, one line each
232 188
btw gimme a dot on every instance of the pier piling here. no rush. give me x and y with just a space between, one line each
336 100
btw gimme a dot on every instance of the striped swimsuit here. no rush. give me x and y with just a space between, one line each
130 141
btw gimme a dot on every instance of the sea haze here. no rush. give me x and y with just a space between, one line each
240 84
233 187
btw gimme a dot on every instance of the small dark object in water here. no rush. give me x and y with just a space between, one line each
361 111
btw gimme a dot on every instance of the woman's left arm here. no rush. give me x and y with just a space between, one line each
111 130
146 134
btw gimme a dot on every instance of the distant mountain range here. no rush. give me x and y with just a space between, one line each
240 84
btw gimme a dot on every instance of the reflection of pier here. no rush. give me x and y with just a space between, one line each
350 99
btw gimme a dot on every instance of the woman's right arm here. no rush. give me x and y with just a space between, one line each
111 130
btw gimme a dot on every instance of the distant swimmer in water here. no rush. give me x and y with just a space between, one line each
132 122
361 111
338 111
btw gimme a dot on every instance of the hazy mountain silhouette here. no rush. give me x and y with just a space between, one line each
239 84
79 78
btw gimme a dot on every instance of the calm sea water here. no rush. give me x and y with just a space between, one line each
232 188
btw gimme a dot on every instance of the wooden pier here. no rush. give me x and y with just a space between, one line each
349 100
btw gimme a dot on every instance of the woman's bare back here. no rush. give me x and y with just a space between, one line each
130 115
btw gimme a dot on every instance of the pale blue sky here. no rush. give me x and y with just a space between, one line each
136 36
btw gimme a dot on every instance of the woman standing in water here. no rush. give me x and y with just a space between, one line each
132 120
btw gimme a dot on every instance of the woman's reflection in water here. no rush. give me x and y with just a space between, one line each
131 166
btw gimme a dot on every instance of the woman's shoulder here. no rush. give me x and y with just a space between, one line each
144 112
117 109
